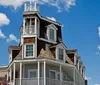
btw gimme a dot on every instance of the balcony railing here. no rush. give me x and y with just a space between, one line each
29 29
34 81
30 7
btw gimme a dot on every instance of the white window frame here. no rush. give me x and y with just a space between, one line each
25 50
57 53
48 34
52 71
29 70
56 73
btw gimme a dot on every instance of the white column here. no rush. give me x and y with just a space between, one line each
10 74
25 7
35 25
60 75
20 73
38 73
44 72
14 69
74 75
24 26
7 75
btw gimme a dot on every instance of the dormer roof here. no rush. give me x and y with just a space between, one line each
52 26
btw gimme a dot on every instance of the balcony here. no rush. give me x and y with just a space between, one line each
34 81
29 29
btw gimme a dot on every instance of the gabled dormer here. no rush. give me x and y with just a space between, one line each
52 32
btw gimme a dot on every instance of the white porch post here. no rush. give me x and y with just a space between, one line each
44 72
10 74
14 69
74 75
7 75
38 73
20 73
60 75
35 25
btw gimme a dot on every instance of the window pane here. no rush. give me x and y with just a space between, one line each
58 76
32 74
61 54
52 34
52 75
29 50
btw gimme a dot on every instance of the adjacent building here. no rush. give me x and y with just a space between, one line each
41 58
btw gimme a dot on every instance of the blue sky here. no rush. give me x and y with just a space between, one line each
81 29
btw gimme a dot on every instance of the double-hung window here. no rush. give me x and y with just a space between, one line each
29 51
61 53
52 34
32 73
52 74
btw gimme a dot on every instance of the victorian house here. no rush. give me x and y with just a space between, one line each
41 58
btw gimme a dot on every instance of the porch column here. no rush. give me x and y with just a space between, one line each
60 74
38 72
35 25
10 74
74 75
44 72
14 69
21 73
7 75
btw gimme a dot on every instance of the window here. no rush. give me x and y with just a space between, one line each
58 76
32 73
51 34
29 50
52 74
61 54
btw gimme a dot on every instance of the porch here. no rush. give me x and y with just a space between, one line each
41 73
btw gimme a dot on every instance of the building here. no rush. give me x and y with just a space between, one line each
41 57
3 73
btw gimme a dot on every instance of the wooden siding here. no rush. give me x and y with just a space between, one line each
53 50
29 40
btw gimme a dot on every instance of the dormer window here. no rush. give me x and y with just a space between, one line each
51 32
61 54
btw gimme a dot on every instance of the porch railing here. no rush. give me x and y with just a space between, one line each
34 81
29 29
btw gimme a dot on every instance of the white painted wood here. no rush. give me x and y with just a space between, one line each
20 73
10 74
14 69
44 72
38 73
60 74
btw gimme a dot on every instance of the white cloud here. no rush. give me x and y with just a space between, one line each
60 4
51 18
98 47
88 78
99 31
96 84
12 38
2 35
4 19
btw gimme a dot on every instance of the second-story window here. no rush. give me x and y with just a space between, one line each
29 50
61 54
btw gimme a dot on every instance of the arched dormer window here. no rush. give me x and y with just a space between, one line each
52 32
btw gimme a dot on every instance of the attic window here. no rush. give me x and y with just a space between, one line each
61 54
51 33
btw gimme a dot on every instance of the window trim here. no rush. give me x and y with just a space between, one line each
31 70
56 73
57 53
55 34
25 50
